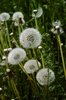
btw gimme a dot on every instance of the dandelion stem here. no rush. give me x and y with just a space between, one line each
7 33
21 66
29 21
19 30
36 23
40 51
35 57
15 89
62 57
1 39
42 59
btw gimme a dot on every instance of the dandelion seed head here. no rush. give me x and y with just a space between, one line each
56 31
53 30
61 30
4 16
45 76
18 16
56 24
31 66
37 13
16 56
30 38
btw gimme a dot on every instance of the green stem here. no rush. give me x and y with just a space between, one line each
15 89
62 57
35 57
42 59
40 51
7 33
21 66
29 21
19 30
36 23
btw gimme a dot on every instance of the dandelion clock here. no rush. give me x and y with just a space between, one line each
4 16
17 16
45 76
16 56
30 38
37 13
32 66
57 24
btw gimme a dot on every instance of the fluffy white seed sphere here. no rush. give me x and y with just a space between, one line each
45 76
4 16
56 24
16 56
17 16
31 66
30 38
37 13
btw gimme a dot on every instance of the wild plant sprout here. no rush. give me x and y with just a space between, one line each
17 18
32 66
30 38
45 76
4 16
16 56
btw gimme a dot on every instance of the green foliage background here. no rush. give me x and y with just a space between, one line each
56 9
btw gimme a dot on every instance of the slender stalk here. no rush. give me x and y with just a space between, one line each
7 33
19 30
29 77
43 63
29 21
15 89
42 59
36 23
62 57
39 51
35 57
1 39
21 66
